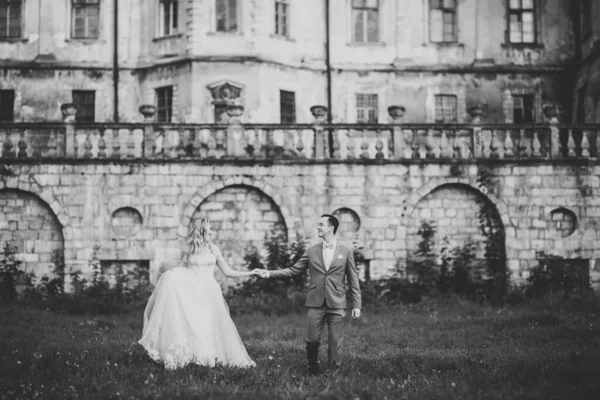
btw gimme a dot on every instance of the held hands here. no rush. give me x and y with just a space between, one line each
355 313
261 273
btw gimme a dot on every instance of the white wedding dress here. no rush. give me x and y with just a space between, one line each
187 320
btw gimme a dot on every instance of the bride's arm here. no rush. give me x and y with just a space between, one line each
226 269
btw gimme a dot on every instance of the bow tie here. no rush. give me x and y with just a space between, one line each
327 246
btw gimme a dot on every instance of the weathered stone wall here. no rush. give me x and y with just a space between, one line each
28 224
387 199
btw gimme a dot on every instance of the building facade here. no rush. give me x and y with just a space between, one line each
189 58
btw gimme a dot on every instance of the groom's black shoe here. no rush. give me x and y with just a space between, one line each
312 353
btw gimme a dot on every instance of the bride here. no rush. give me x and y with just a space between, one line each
186 319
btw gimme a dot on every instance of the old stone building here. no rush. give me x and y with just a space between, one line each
439 107
279 57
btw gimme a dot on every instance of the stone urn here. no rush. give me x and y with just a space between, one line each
235 109
552 112
148 111
319 112
69 110
477 111
396 112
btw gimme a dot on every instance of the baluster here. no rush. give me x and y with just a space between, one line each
52 145
571 144
166 144
337 145
536 145
456 146
415 145
429 144
131 144
220 143
379 146
87 146
250 143
196 143
300 143
7 146
444 145
22 146
585 145
179 146
364 146
101 145
408 136
37 151
508 145
351 146
116 145
523 145
494 145
211 150
154 145
288 142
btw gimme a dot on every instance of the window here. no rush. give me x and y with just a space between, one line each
523 109
164 106
366 108
287 107
365 21
282 18
227 15
167 17
7 105
586 17
446 108
10 19
521 21
442 21
85 100
85 19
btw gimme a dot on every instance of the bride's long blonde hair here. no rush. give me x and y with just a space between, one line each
198 237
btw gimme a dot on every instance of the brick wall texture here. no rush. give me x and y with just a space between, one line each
245 202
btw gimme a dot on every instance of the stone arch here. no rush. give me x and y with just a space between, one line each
350 224
454 209
46 195
214 186
28 223
242 217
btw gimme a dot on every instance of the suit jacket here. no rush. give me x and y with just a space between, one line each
327 285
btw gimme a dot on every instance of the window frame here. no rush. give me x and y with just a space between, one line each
364 104
444 10
510 11
164 94
287 116
228 19
522 100
21 7
441 97
172 26
4 94
84 106
282 19
364 12
84 4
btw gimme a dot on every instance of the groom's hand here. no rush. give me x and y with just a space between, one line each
355 313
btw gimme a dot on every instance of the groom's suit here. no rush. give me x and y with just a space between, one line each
326 299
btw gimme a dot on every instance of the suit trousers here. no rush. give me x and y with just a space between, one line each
317 317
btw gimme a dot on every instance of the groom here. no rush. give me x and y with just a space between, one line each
330 264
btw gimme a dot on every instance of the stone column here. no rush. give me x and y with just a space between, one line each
397 146
69 110
320 114
148 111
235 130
553 113
477 141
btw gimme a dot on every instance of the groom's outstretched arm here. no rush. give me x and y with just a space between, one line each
292 271
352 274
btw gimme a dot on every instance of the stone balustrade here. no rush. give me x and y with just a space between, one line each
396 141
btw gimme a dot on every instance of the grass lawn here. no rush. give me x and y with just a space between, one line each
446 351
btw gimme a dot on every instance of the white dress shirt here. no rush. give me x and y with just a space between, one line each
328 253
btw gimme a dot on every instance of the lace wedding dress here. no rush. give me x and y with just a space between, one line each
187 320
